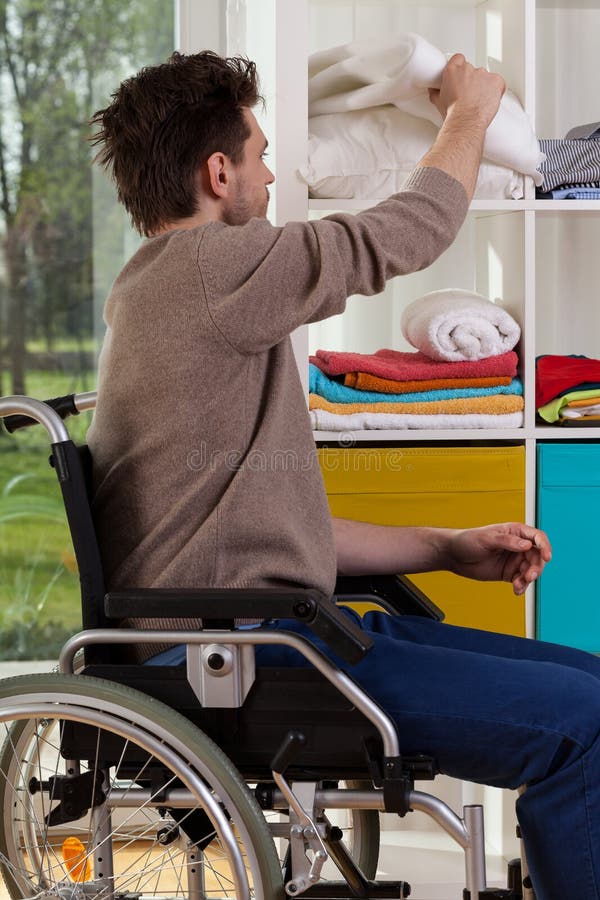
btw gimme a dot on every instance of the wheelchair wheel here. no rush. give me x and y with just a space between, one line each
106 793
362 834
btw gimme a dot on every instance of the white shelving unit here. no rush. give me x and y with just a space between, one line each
547 50
539 258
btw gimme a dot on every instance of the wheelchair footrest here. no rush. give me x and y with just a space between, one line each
376 890
493 894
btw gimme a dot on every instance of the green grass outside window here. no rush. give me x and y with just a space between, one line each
39 586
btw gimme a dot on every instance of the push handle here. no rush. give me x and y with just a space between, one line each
64 406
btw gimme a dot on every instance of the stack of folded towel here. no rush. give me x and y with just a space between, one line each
568 390
463 374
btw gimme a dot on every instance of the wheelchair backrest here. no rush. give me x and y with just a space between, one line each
73 467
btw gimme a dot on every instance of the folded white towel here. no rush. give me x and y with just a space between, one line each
323 420
364 74
454 324
578 413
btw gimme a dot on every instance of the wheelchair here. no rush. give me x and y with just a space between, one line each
217 779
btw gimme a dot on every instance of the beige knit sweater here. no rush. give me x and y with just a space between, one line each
205 469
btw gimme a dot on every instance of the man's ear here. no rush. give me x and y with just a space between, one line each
218 168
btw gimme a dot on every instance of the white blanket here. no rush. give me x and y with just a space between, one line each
366 74
369 153
455 324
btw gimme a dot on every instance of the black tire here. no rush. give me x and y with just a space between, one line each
152 741
364 823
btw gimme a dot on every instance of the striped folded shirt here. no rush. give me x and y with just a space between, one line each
572 163
572 192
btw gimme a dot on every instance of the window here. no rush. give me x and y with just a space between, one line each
63 238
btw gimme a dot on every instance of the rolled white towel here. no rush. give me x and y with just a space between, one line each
455 324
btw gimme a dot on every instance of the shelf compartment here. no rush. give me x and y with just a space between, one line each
567 283
566 65
491 34
456 487
488 257
568 497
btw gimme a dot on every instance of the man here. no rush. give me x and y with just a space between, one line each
199 394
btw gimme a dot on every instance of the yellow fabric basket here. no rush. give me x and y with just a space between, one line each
457 487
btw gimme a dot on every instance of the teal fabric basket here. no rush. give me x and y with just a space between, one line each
568 509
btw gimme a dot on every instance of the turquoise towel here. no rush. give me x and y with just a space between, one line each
320 383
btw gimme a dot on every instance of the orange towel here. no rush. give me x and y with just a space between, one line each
589 401
494 404
363 381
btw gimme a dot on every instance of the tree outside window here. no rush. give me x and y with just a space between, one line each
62 241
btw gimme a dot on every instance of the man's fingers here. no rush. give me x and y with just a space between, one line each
457 59
521 538
538 539
529 570
507 540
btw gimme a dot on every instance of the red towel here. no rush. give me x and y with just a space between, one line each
402 365
556 374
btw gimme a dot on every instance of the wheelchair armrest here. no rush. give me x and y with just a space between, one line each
220 605
395 593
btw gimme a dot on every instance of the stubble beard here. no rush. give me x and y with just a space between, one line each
242 209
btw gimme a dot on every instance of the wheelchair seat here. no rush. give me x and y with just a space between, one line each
227 775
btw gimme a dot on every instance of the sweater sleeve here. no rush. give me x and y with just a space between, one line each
262 282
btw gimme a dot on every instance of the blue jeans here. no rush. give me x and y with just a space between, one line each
499 710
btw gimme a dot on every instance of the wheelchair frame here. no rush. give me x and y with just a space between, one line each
220 671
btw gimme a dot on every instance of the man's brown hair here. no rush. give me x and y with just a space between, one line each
164 122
